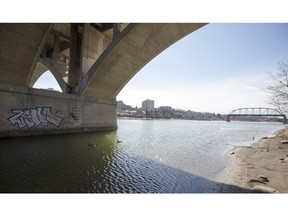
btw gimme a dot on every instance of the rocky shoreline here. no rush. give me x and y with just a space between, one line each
262 167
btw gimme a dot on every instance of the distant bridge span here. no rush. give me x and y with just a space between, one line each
256 111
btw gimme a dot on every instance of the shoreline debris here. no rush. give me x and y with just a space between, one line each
263 189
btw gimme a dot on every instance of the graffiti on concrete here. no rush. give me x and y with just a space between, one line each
75 114
33 117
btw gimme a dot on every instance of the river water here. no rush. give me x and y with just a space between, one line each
153 156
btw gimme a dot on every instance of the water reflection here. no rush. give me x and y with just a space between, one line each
60 163
89 163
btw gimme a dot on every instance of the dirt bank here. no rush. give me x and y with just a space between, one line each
262 167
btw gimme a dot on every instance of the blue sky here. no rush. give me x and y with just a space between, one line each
218 68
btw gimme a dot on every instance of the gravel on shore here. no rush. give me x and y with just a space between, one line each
260 168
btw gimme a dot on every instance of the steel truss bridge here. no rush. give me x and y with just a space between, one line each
256 111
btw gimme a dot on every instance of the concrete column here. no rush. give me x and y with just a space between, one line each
85 48
116 30
228 118
56 50
74 61
85 39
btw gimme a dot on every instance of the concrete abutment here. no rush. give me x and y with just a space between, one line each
29 112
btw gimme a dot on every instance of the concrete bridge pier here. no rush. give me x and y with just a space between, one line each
228 118
29 112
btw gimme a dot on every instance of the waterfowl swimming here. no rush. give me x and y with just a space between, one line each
92 145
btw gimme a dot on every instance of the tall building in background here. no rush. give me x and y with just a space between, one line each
148 105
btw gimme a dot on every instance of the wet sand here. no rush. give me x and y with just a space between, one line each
263 167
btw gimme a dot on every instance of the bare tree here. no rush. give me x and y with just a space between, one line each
278 90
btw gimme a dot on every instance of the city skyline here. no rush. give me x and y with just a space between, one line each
143 107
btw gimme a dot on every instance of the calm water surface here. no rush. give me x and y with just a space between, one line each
155 156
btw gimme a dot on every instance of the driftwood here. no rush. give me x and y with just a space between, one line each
263 189
264 178
257 180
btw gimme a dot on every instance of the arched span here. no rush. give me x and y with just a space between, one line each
257 111
141 43
56 74
39 70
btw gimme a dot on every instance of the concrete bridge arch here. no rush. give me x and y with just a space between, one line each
145 41
91 62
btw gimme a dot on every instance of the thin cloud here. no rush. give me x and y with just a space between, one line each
219 97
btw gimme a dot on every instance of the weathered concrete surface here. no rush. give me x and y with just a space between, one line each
105 61
20 47
39 70
27 111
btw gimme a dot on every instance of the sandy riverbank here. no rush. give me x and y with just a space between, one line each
267 158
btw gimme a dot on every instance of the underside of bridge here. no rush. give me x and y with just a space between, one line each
91 62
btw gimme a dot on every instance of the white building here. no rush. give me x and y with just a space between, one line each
148 105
